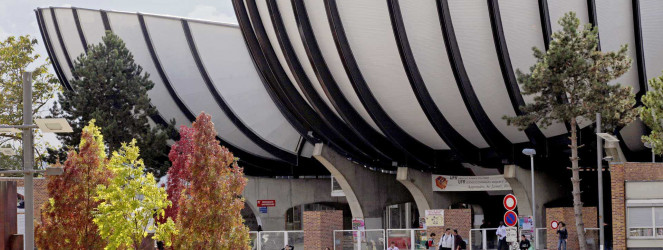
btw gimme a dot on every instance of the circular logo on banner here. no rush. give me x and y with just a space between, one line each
510 218
510 202
554 224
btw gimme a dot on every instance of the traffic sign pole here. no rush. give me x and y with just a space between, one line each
510 202
510 218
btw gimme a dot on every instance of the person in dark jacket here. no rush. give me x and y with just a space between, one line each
459 243
524 243
563 235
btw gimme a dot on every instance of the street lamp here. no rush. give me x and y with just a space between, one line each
653 156
531 152
46 125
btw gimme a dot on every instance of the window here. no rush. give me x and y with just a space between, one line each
645 222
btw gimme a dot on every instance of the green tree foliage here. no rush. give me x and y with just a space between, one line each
209 215
111 88
652 114
16 56
66 219
573 68
130 203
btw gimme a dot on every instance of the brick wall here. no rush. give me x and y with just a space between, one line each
319 227
40 191
7 212
566 215
619 173
459 219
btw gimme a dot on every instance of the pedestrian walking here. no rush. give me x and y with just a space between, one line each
563 235
430 243
459 243
447 240
501 237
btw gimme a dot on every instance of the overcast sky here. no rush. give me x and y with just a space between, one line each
17 17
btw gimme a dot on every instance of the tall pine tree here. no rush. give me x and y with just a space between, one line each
574 68
110 87
652 114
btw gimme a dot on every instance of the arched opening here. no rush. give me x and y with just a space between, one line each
250 219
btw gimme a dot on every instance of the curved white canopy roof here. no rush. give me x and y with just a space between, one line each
409 82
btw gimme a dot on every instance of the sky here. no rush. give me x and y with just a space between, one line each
17 17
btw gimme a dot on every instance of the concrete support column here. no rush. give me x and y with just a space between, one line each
420 186
367 192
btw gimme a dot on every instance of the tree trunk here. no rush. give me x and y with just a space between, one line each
575 180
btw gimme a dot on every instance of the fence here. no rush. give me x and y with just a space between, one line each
541 238
268 240
370 239
407 239
592 238
483 238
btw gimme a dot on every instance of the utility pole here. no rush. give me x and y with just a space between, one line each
599 171
28 162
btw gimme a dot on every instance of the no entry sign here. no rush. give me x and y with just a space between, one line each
266 203
510 202
510 218
554 224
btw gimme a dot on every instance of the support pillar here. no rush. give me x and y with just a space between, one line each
420 186
367 192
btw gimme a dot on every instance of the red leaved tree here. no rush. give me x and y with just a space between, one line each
179 174
66 219
209 215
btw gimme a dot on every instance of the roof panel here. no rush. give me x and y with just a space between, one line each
475 39
287 14
318 17
269 28
424 33
522 30
652 37
372 40
69 32
175 56
92 25
57 49
615 22
127 27
231 70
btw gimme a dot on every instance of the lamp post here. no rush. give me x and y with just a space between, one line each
653 156
47 125
610 142
531 152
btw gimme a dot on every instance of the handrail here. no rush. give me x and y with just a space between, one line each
359 235
258 242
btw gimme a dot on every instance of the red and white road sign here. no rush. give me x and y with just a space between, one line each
510 202
510 218
266 203
554 224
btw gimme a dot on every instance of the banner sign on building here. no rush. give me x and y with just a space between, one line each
266 203
450 183
435 218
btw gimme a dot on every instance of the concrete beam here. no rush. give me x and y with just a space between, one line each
367 192
287 193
